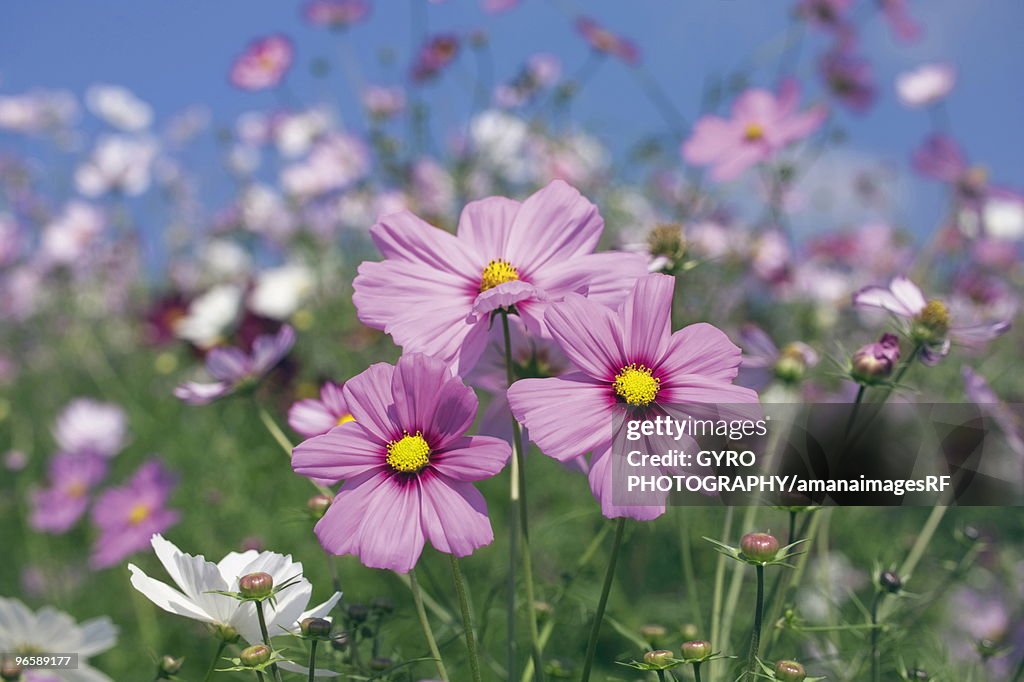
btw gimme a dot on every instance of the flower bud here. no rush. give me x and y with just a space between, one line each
759 547
794 361
689 631
317 506
339 642
890 582
256 585
875 362
653 634
659 657
169 665
381 663
918 674
227 633
382 605
696 650
10 671
318 628
789 671
667 240
255 655
358 613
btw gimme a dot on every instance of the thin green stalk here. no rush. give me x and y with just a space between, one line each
731 607
467 618
661 675
282 440
875 657
696 672
266 638
259 676
853 411
312 660
520 470
421 613
689 574
755 633
716 599
888 391
216 657
609 574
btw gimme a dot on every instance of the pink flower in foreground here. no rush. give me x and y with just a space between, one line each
407 464
629 361
434 292
316 416
336 13
761 124
604 41
263 64
128 516
931 325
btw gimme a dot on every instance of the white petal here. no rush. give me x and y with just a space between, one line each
98 635
295 668
231 567
166 597
322 610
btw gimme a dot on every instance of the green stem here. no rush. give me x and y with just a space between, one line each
853 412
520 470
266 638
286 445
216 657
716 599
259 676
755 633
875 672
467 618
606 588
696 672
661 675
421 613
689 574
312 660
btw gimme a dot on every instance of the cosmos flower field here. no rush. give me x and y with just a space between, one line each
295 394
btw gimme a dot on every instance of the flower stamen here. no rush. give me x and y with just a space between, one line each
497 271
408 454
636 385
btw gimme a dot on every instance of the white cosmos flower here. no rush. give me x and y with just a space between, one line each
197 580
88 426
925 85
279 292
210 315
50 630
119 107
118 163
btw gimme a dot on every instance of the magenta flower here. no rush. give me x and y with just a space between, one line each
56 508
930 323
850 79
316 416
263 64
336 13
762 123
438 52
628 360
407 466
129 515
603 41
233 368
91 426
433 292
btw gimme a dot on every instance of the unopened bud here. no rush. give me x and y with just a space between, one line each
256 585
689 631
659 657
890 582
255 655
340 641
318 506
789 671
227 633
169 665
381 663
382 605
696 650
759 547
358 613
653 634
318 628
10 671
875 362
667 241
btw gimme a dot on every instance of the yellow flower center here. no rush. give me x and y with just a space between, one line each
345 419
635 385
753 132
935 316
497 272
138 514
77 489
410 454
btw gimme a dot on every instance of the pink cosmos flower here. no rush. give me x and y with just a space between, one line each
336 13
850 79
263 64
316 416
496 6
930 321
56 508
897 14
383 101
407 464
437 53
925 85
628 360
763 361
233 368
434 291
603 41
979 392
129 515
761 124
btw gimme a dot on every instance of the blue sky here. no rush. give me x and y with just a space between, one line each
175 53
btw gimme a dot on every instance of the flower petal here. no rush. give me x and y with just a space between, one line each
166 597
647 319
429 399
485 226
590 334
368 396
344 451
404 237
454 515
472 458
555 223
700 349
